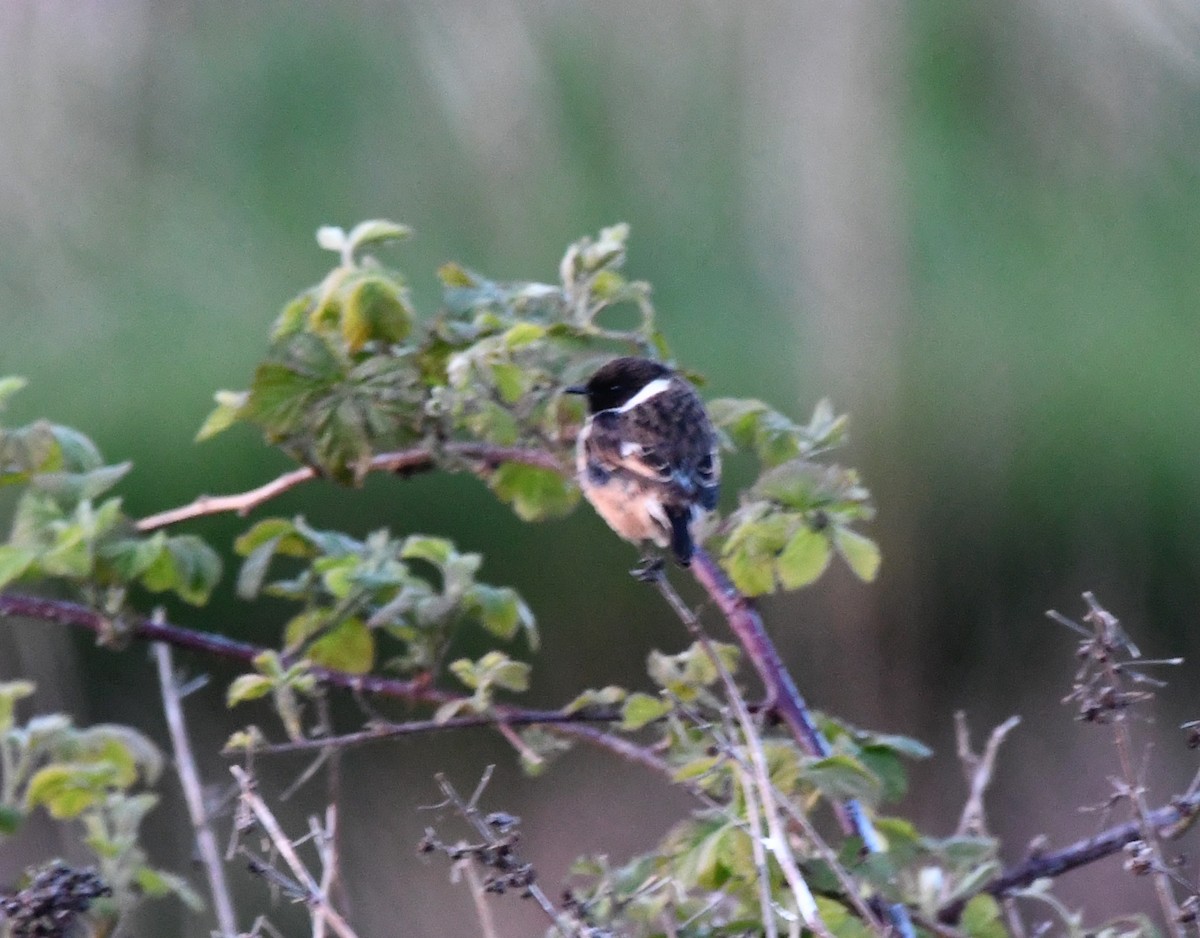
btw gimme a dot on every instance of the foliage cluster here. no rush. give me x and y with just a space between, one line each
352 374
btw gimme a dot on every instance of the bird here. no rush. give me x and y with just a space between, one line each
647 456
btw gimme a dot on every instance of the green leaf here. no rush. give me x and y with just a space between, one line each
840 776
794 484
804 558
10 693
77 452
188 566
696 768
434 550
376 309
534 493
641 709
349 647
981 918
159 883
884 763
290 542
303 626
376 231
10 385
510 380
248 687
523 333
10 820
861 553
14 561
130 557
604 697
66 790
254 569
502 611
502 671
123 747
224 415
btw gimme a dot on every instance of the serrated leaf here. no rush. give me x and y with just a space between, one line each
861 553
804 558
641 709
14 561
349 647
247 687
375 309
534 493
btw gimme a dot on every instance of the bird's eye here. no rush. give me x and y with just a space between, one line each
706 462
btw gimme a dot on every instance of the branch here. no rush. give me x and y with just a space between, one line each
1169 821
193 795
782 694
419 690
409 461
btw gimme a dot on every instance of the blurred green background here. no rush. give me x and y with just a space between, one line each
974 226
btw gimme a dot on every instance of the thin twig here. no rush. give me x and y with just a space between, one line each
418 459
193 794
483 909
317 901
978 770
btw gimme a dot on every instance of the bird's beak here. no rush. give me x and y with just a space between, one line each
576 389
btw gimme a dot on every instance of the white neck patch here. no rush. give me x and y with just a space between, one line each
653 389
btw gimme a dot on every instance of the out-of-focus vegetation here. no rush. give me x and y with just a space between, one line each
975 226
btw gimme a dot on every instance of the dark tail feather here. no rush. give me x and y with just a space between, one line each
681 534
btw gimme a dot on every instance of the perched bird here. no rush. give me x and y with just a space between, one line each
647 456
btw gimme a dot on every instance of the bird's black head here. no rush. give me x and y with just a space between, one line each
618 381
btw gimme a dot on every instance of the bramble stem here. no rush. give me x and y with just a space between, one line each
418 459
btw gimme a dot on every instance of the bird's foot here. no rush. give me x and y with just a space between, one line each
650 570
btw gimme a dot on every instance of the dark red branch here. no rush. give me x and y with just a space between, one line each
18 605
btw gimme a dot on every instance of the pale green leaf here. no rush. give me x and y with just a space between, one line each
248 687
861 553
349 647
